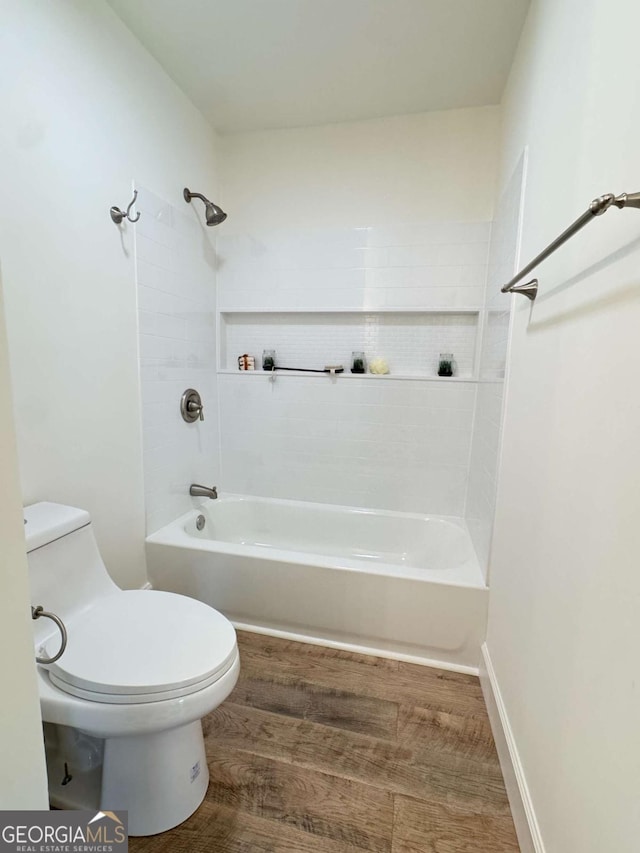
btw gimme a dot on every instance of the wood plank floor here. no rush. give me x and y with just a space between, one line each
332 752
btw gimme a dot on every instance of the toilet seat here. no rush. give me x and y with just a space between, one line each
143 646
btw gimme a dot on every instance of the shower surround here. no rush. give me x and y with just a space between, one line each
401 445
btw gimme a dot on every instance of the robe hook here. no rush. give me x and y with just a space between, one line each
118 215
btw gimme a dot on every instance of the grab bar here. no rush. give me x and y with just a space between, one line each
597 207
36 613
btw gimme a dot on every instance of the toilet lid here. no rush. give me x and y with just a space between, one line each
143 646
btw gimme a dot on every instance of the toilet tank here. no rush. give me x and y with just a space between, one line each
66 572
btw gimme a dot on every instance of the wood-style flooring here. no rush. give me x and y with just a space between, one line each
325 751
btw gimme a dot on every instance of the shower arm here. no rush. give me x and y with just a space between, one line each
188 195
597 207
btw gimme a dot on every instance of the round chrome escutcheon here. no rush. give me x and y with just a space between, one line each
200 522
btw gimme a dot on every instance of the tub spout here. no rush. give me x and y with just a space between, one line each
197 491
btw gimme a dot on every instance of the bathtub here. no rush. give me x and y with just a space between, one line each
395 584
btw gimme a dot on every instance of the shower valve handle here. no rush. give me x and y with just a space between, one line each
195 409
191 407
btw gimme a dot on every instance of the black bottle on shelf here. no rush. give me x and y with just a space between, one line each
446 364
358 363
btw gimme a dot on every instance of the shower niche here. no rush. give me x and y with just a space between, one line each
410 340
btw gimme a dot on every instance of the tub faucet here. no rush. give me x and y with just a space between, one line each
197 491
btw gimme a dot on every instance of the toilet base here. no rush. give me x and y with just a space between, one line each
74 767
160 778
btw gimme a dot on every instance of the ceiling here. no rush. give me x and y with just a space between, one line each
255 64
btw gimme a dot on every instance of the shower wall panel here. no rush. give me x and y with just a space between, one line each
390 443
175 267
485 453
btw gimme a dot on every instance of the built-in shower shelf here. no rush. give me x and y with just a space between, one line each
463 309
409 339
428 377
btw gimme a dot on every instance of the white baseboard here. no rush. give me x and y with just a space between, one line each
522 810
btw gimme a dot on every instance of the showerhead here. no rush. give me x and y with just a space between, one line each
213 214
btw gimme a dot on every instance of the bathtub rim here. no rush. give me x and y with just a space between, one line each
173 534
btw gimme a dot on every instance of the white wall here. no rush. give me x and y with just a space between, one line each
23 777
564 631
85 111
437 166
381 216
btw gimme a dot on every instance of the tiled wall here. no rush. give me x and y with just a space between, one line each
389 443
392 444
175 264
430 264
483 470
401 444
398 444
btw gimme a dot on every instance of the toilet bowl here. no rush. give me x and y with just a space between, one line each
122 707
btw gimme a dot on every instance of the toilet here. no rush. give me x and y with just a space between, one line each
122 707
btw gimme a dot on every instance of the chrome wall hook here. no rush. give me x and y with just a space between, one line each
118 215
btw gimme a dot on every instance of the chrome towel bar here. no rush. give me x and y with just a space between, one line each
597 207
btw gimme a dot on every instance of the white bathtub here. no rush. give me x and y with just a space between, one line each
402 585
